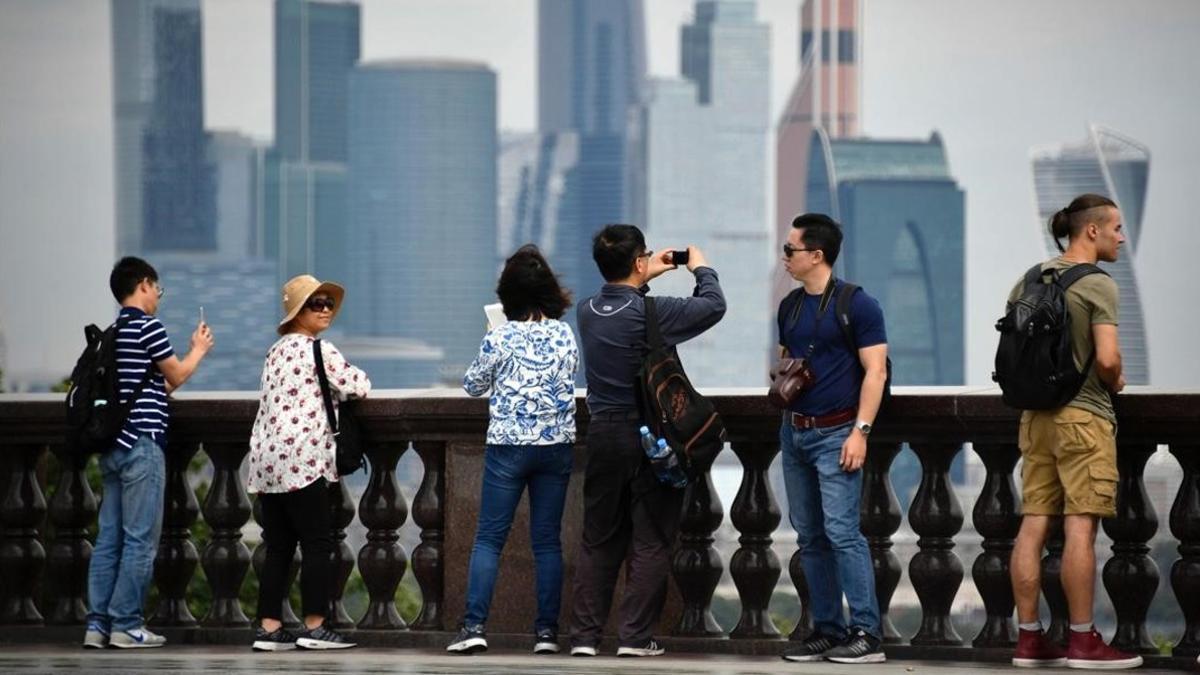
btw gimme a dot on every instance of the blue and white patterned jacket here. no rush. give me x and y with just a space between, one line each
530 368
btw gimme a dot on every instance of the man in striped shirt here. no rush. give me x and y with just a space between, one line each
134 470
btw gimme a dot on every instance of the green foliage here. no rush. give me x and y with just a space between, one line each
63 386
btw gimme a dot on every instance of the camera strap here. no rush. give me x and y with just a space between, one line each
826 298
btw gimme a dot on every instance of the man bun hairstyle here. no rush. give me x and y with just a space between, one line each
127 274
820 233
615 249
1068 222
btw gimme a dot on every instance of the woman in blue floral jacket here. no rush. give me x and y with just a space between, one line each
528 364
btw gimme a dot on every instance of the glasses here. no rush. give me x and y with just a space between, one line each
788 250
318 304
647 254
158 289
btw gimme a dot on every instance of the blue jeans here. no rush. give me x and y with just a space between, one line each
507 470
823 507
131 514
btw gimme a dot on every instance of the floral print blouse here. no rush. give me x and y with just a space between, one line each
530 368
291 445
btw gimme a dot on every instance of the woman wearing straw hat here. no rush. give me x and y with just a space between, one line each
292 462
529 366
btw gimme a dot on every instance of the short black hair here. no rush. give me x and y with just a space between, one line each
820 233
615 249
127 274
529 287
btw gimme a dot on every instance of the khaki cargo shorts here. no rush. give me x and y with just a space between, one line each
1070 463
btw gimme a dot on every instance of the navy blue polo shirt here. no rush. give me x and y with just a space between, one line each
838 370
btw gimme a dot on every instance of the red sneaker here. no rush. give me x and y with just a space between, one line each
1034 651
1087 650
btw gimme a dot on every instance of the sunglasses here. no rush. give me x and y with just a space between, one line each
318 304
788 250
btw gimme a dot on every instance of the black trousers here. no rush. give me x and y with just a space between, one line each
627 512
287 518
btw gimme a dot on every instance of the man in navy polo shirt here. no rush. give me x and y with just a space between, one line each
823 440
134 470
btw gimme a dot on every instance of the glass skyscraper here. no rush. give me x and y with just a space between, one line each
423 153
164 180
305 209
705 167
1118 167
903 217
591 68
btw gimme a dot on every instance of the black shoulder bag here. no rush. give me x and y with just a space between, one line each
347 436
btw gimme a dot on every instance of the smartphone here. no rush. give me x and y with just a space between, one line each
495 315
202 314
679 257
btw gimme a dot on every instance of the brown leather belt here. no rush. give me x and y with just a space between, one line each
833 419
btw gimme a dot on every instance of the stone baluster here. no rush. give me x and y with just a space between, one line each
997 518
1185 525
1130 575
804 625
755 567
381 561
287 615
176 559
226 558
696 566
880 518
341 506
935 571
429 512
1052 588
72 508
22 557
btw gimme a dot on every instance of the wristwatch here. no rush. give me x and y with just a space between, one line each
864 427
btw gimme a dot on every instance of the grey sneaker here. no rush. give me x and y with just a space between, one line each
860 647
812 649
546 642
322 638
278 640
136 638
96 636
470 639
649 648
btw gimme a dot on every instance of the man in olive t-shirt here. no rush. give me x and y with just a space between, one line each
1070 453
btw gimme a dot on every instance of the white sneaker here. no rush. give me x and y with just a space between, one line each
583 650
136 638
96 636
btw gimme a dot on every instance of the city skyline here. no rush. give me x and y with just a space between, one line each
907 97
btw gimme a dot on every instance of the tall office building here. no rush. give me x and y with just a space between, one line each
826 95
164 181
706 143
904 225
591 68
537 197
423 205
1118 167
237 165
316 46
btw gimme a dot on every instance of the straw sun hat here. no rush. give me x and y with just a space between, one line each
299 289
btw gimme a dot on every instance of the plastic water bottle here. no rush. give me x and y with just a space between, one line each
662 459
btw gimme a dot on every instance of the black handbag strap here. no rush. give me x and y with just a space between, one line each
324 380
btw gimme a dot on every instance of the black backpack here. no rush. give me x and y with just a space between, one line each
1035 366
841 309
95 414
672 407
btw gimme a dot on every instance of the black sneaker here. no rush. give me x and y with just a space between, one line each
648 648
470 639
546 642
322 638
812 649
277 640
858 648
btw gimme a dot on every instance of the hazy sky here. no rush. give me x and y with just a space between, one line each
995 78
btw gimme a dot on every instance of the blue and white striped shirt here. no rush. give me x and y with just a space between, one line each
141 341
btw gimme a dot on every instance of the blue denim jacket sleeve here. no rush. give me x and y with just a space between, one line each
480 375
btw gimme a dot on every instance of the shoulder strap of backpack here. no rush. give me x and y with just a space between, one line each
653 333
324 380
842 309
1032 276
1077 272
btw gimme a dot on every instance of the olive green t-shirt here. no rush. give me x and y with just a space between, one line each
1091 300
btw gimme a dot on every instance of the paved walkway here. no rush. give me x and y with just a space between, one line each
35 660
